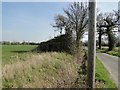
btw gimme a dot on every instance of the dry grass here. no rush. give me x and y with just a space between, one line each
45 70
49 70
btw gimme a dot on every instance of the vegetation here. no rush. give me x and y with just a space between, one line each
48 70
59 43
11 52
45 70
114 52
74 23
55 66
18 43
102 75
106 23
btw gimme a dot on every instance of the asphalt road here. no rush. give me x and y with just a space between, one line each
111 64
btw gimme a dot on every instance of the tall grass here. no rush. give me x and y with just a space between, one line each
50 70
47 70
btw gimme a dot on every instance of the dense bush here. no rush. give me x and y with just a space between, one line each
59 43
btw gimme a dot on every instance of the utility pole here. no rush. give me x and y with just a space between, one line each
91 44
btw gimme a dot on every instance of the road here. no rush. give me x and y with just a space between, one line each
111 64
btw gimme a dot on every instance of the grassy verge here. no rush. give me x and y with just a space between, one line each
103 76
114 52
42 70
45 70
50 70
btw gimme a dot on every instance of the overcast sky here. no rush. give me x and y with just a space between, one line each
30 21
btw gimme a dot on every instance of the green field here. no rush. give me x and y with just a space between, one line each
25 69
11 52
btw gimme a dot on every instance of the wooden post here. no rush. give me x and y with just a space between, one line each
91 45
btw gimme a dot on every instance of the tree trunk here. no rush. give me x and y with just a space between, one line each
78 41
69 43
100 36
111 40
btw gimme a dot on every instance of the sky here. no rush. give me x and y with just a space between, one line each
32 21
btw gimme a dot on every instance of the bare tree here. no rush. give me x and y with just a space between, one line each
74 21
77 16
59 23
100 29
108 21
111 20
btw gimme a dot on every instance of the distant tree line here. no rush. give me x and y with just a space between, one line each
18 43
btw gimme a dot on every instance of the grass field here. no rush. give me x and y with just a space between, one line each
44 70
11 52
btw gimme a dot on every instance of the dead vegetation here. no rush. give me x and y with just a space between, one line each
45 70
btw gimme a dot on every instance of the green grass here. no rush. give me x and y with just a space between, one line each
102 75
114 52
10 52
